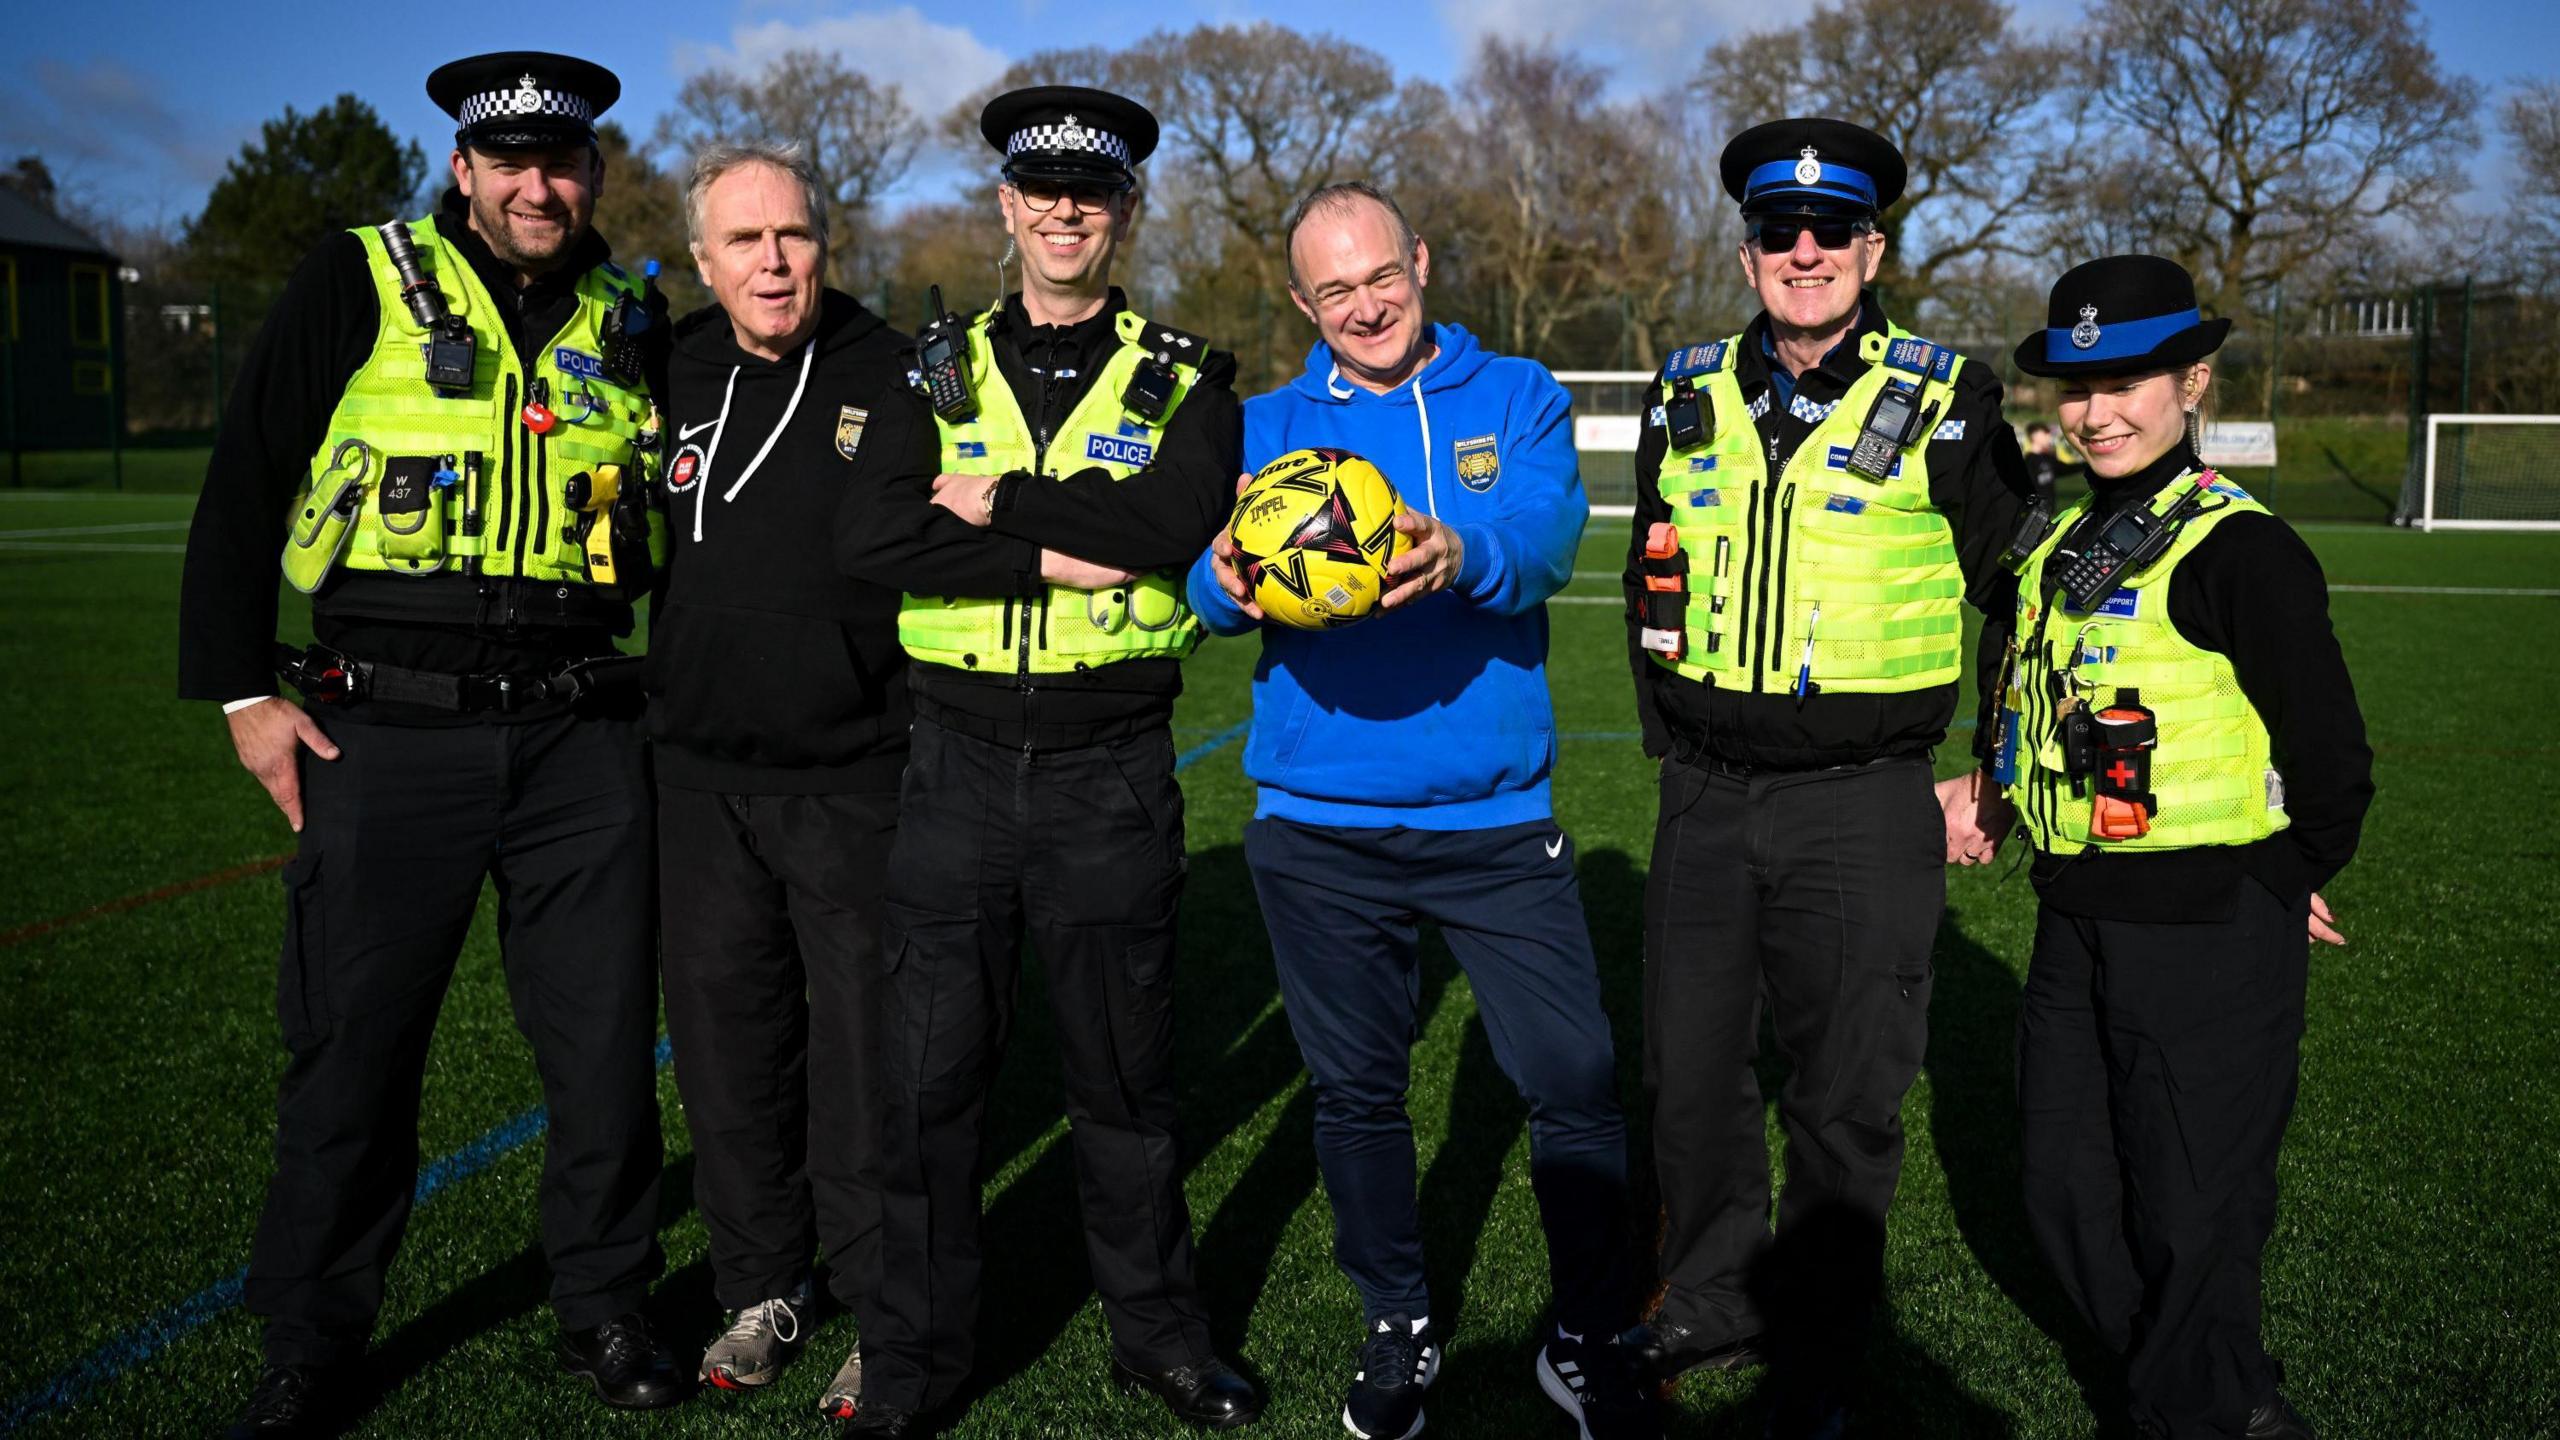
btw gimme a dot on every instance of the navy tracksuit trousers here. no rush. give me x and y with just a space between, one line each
1345 907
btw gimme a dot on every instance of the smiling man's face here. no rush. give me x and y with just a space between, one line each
1354 273
1808 285
761 258
530 206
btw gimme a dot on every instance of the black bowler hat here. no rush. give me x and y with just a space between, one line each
523 99
2122 315
1813 166
1069 133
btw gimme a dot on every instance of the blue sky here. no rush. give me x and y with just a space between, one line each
137 106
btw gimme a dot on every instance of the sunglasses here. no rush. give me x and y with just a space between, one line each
1778 237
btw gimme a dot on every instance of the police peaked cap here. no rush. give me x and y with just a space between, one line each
1812 167
523 99
1069 133
2123 315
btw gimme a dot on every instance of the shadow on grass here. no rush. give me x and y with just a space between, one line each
1973 1117
2390 502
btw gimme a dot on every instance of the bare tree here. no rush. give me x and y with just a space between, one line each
641 214
2531 119
1953 84
861 135
2286 130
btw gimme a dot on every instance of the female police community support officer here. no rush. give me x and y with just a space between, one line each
441 434
2182 744
1820 494
1038 502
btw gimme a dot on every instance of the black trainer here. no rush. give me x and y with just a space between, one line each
2278 1420
1209 1394
1399 1358
1668 1350
1600 1383
874 1421
291 1402
630 1368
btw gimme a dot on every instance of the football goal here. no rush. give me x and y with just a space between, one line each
2487 472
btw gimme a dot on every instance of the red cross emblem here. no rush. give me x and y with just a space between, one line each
2121 772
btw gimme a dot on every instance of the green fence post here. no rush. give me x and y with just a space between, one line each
217 354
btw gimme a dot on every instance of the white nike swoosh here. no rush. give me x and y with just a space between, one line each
1556 848
689 431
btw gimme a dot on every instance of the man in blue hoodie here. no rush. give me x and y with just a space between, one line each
1402 768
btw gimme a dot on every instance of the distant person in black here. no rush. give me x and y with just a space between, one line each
457 734
2044 468
2183 747
778 704
1042 542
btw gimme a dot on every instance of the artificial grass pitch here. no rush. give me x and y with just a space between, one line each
2408 1287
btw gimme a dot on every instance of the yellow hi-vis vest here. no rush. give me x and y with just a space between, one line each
1062 629
1864 571
499 503
2210 772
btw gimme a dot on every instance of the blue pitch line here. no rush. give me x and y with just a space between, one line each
158 1332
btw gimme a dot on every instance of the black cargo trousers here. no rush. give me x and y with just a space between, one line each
1080 848
1815 894
399 834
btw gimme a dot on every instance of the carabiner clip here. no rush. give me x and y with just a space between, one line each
2079 651
587 399
338 460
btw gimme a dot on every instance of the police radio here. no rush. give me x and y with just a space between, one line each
625 325
942 364
2125 544
452 351
1891 423
2035 523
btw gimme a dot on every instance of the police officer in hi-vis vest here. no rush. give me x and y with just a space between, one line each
1038 496
445 432
1816 499
2183 749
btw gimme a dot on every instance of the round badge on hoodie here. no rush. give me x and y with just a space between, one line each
1479 463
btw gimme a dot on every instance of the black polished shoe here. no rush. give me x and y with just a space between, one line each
872 1421
1667 1350
630 1368
2278 1420
1208 1394
291 1402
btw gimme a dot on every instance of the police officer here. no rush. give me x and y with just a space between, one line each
1816 497
443 428
1038 498
2183 746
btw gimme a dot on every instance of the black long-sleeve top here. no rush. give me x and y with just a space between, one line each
319 334
1976 477
2253 592
1160 518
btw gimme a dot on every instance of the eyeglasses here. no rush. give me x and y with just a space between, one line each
1778 237
1042 196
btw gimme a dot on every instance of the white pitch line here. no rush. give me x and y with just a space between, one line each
2440 590
90 547
47 532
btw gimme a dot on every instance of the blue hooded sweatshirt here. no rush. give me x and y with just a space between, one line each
1433 715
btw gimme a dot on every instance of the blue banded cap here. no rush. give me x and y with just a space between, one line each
1812 165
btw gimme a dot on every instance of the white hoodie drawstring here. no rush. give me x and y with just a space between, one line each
808 353
719 427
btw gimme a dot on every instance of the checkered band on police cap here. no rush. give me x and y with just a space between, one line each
1069 135
524 100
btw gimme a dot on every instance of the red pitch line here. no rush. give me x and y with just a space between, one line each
25 933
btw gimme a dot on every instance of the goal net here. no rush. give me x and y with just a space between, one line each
1608 414
2485 472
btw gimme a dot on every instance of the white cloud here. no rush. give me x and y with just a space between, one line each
935 64
1648 45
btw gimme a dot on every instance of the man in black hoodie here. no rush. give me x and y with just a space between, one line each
1040 515
780 717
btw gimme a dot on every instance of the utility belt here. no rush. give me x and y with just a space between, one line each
329 677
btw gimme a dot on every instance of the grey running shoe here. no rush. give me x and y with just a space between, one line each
760 1340
844 1393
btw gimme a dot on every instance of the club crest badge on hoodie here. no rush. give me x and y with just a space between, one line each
849 422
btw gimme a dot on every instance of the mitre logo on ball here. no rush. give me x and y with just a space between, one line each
1313 533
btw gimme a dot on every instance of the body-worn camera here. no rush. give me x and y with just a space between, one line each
452 351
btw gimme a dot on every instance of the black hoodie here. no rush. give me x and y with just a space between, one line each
771 672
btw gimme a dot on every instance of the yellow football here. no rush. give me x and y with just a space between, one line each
1313 534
